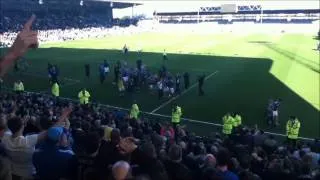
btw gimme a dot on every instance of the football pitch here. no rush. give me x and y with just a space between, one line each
242 73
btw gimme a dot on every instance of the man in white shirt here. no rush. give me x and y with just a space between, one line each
164 56
5 170
20 148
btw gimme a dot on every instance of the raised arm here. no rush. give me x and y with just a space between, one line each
64 115
26 39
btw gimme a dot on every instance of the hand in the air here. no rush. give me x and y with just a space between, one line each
127 145
26 39
65 114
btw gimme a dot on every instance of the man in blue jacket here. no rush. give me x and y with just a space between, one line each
53 162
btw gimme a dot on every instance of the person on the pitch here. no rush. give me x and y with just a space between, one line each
121 87
186 80
116 72
170 85
293 127
54 73
237 120
134 112
178 81
55 90
102 73
275 112
18 87
87 70
106 67
20 64
228 123
23 63
200 84
176 116
125 51
84 96
49 72
164 56
160 88
139 64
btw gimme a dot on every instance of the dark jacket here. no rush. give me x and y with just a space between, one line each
177 171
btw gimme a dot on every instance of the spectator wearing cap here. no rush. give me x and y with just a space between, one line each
52 162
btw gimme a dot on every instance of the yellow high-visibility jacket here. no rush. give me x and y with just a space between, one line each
228 122
134 112
55 90
176 115
18 87
237 120
84 97
293 128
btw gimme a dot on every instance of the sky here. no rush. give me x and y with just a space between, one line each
150 6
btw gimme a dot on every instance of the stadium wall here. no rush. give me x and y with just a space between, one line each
256 16
238 27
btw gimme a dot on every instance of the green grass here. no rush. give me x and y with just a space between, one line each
251 69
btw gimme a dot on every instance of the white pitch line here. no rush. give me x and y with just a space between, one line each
62 85
184 92
70 84
166 116
190 120
220 125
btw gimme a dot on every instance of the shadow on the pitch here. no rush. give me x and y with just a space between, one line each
314 66
259 42
242 85
316 37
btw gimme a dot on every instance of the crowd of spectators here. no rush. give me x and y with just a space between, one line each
99 143
49 138
62 27
13 21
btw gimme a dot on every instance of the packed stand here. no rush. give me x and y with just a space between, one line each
97 143
44 137
62 27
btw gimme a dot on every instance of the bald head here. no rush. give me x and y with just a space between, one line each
120 170
210 160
